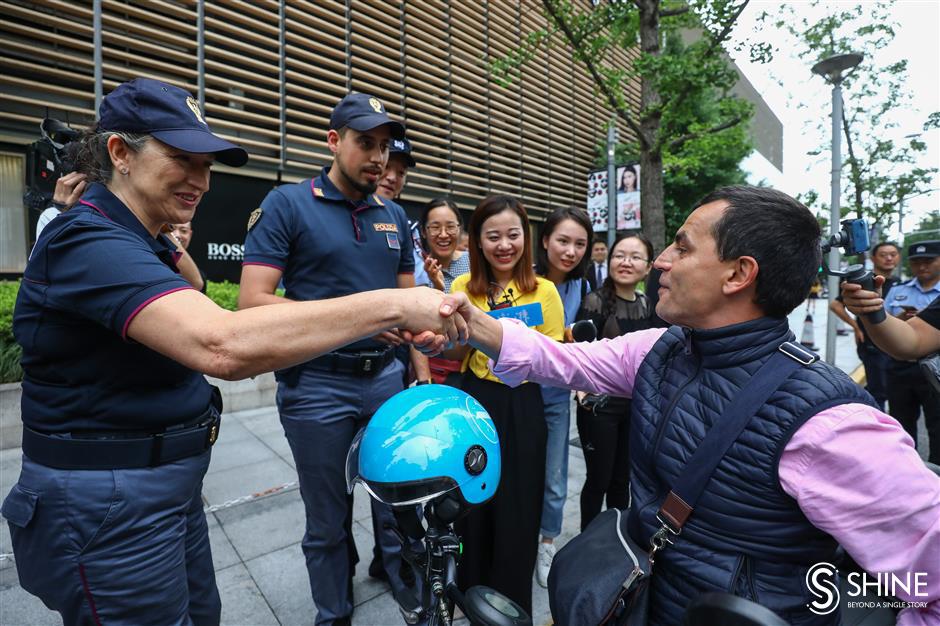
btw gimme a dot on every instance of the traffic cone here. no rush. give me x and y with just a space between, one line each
808 336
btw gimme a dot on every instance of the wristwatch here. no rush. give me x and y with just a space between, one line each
423 382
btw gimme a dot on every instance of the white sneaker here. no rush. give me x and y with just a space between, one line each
543 562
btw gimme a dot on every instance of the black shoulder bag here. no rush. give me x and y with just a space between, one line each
602 576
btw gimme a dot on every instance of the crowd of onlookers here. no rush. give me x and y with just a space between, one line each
342 233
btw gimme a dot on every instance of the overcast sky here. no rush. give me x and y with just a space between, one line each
917 40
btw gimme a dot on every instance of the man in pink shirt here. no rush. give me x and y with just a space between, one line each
818 466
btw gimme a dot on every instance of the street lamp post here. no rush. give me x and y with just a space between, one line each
833 70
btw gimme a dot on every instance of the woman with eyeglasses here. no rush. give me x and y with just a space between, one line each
616 308
441 226
501 537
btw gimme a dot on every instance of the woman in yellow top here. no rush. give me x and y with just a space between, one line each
501 537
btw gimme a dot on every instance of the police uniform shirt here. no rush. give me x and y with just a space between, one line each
94 268
910 294
327 245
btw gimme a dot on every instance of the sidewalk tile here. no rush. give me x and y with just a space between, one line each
379 611
20 607
362 507
10 463
265 525
260 421
220 487
231 429
242 602
282 578
366 588
223 553
227 455
276 441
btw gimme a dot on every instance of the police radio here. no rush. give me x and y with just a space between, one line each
853 239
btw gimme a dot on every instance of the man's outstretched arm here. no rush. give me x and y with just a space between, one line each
522 354
902 340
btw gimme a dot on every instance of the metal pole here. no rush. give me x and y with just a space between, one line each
834 215
99 82
201 54
282 79
611 183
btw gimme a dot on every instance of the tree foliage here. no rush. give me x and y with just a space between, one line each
686 107
881 172
699 165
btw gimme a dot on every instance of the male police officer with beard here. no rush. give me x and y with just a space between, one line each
325 237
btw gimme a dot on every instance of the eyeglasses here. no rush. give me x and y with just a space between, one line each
634 260
450 229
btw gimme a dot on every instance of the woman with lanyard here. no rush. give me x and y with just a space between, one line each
616 308
106 519
440 227
501 536
561 258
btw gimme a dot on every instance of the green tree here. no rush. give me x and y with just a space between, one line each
881 172
685 97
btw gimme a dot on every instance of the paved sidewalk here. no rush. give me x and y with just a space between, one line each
256 545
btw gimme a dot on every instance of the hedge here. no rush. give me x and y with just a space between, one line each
225 294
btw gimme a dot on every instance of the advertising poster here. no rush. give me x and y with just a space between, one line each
628 198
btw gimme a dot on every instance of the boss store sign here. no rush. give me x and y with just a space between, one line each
220 225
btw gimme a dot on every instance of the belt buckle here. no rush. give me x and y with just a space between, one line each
212 432
369 363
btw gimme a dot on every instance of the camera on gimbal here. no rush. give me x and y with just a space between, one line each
47 160
853 239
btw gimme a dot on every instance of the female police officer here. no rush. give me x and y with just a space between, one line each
106 519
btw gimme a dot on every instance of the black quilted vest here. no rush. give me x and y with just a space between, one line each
746 535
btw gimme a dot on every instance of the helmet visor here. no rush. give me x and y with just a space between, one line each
401 493
352 461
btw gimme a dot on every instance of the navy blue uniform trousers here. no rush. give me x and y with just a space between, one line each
127 546
320 416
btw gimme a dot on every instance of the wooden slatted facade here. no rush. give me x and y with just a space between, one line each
269 72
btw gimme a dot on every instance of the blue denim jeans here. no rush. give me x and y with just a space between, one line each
558 419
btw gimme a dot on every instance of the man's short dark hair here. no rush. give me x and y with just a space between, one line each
780 233
598 240
881 245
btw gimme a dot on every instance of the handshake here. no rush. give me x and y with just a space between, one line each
430 320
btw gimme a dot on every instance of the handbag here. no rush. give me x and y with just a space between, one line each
602 576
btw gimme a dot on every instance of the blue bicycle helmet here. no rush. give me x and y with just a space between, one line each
424 442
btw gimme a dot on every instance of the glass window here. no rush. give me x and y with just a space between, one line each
12 214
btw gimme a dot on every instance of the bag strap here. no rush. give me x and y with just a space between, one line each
690 485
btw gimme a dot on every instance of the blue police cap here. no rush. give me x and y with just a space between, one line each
402 146
360 111
167 113
924 249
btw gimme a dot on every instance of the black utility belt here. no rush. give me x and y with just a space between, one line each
363 364
121 450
